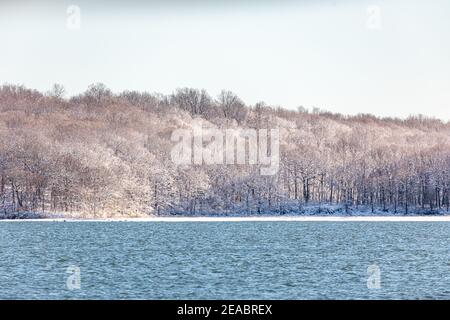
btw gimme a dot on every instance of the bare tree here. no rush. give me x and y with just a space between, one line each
57 91
196 102
231 106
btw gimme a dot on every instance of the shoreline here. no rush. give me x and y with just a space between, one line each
251 219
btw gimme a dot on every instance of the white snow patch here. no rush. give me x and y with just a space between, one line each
254 219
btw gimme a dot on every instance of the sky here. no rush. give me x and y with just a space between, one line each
388 58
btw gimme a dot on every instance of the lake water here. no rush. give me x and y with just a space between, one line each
224 260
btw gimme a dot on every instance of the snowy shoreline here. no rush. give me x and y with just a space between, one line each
251 219
313 212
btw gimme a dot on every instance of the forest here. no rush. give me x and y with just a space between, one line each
106 154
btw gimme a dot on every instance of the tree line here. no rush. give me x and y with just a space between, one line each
101 154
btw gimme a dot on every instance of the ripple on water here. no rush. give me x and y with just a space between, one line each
220 260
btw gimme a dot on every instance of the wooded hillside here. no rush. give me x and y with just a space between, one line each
103 154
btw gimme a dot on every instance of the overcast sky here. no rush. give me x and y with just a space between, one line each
388 58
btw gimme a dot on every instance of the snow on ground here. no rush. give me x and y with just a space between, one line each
294 209
253 219
304 213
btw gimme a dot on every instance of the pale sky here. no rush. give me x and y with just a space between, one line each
388 58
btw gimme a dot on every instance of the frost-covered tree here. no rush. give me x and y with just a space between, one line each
104 154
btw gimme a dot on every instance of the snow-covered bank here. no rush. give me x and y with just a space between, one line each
294 209
312 212
254 219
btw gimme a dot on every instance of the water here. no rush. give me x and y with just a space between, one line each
224 260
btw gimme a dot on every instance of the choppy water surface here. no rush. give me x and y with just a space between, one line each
224 260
